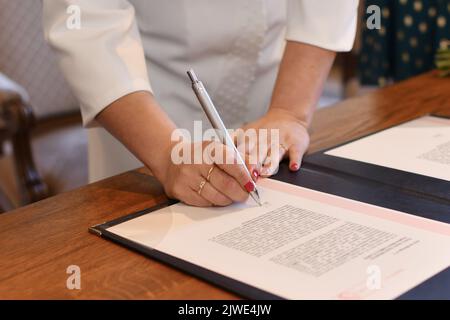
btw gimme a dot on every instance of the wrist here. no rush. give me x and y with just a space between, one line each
159 161
302 119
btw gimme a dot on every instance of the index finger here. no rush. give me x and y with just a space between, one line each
228 162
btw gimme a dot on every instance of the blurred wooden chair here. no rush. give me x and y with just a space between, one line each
16 120
43 94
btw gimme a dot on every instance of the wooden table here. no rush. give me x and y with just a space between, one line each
38 242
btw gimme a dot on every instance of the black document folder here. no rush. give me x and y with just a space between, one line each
437 287
419 186
414 194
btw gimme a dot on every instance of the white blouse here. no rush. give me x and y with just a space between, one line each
235 47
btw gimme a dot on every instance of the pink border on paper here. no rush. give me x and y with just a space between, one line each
360 207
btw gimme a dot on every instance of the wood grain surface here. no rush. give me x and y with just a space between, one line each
38 242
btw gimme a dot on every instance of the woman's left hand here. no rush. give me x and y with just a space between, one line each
293 141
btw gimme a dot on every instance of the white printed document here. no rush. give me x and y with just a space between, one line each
301 244
419 146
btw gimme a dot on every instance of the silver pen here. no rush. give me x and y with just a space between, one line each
217 124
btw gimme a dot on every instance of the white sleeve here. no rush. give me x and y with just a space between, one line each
323 23
103 60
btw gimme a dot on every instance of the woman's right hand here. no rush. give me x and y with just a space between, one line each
145 129
212 182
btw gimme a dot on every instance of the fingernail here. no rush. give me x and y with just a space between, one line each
294 166
255 173
250 186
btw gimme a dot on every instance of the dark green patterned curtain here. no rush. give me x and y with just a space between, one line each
411 32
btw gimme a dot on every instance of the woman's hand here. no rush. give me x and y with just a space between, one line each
141 125
215 181
293 142
303 71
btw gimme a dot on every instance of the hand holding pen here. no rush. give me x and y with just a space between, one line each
217 123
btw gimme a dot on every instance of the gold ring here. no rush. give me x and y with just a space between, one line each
200 187
208 176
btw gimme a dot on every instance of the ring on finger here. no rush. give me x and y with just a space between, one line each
200 187
282 146
208 176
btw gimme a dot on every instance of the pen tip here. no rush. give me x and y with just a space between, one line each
255 195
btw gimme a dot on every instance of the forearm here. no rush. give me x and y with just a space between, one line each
302 74
142 126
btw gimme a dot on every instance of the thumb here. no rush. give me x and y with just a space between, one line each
296 153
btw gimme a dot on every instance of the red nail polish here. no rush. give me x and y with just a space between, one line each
250 186
294 166
255 173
